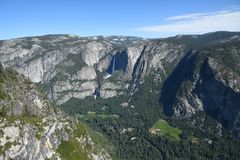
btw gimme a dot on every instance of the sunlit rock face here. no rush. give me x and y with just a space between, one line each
86 73
76 67
32 128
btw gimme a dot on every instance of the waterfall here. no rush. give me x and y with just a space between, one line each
113 65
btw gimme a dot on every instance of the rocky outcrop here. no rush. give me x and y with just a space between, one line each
62 91
31 128
94 51
86 73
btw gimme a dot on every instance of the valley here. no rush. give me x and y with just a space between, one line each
169 98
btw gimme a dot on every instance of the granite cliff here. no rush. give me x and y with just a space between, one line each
33 128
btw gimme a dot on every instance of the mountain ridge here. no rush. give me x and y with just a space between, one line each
116 35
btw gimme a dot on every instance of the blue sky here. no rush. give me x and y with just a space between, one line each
144 18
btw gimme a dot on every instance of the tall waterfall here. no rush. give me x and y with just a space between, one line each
113 65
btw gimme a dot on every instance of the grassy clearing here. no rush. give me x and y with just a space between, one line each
162 127
91 115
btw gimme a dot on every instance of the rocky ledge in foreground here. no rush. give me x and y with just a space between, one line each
31 128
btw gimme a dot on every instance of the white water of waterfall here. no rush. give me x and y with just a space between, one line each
113 66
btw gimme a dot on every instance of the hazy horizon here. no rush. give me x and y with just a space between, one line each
113 35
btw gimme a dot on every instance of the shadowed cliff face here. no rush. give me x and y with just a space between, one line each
184 71
118 62
200 83
219 101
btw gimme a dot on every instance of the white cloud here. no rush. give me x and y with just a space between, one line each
197 23
186 16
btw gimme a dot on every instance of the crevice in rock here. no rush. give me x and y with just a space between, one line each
137 71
